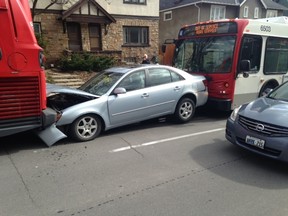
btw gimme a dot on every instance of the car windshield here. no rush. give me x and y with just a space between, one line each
281 93
101 83
206 55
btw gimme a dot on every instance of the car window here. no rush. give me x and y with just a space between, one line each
133 81
159 76
101 83
280 93
176 77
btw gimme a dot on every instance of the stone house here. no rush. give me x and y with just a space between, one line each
125 29
176 13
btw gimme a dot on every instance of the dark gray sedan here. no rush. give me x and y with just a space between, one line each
125 95
261 126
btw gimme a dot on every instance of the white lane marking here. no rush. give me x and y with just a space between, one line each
165 140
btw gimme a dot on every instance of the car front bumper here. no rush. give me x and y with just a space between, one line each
275 147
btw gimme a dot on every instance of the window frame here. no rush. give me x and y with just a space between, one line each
165 15
215 12
93 36
256 13
142 37
252 51
246 12
39 31
274 56
271 13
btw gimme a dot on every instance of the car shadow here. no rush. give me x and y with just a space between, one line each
239 165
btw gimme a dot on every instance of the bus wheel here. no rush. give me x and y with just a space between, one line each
185 110
266 89
85 128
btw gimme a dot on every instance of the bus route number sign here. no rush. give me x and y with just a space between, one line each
265 28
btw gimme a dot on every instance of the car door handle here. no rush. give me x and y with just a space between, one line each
145 95
177 88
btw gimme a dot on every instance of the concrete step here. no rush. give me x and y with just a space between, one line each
65 79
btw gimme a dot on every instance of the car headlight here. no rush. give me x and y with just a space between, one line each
234 114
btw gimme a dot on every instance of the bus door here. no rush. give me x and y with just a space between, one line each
246 88
248 77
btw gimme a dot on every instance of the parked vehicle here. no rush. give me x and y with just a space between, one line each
261 126
22 78
124 95
241 58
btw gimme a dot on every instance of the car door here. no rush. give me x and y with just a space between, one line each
164 91
131 106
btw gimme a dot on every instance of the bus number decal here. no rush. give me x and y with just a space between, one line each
265 28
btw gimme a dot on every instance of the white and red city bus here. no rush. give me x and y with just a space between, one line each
22 78
241 58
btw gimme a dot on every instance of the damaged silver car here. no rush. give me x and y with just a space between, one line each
123 95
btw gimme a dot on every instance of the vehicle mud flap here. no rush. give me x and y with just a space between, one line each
50 135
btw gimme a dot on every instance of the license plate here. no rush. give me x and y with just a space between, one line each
255 142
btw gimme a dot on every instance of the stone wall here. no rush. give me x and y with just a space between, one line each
56 38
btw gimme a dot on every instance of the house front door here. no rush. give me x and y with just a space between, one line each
74 36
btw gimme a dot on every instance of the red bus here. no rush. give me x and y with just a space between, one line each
22 78
241 58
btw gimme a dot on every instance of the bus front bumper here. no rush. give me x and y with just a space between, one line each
220 104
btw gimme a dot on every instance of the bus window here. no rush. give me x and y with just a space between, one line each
251 50
276 58
207 54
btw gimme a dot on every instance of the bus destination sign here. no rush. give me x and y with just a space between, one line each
206 29
209 28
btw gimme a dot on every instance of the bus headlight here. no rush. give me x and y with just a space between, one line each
234 114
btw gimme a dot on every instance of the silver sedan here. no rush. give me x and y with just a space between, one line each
123 95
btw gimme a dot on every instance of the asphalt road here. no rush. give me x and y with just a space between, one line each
152 168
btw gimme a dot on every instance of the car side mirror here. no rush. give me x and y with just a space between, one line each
119 90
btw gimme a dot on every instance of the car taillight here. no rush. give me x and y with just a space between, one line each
205 82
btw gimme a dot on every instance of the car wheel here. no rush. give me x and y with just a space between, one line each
86 127
185 110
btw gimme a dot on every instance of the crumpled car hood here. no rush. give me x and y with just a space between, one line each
267 110
61 97
52 88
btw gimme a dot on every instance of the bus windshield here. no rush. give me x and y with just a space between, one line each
205 54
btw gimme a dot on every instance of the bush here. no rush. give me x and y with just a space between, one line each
85 62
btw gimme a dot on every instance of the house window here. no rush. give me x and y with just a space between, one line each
95 37
217 12
271 13
74 36
256 13
37 28
246 11
167 15
135 36
135 1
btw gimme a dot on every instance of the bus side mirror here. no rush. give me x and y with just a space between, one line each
0 54
244 65
163 48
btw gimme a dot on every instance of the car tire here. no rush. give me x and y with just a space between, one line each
185 110
85 128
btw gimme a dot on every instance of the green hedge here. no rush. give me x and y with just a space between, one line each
85 62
